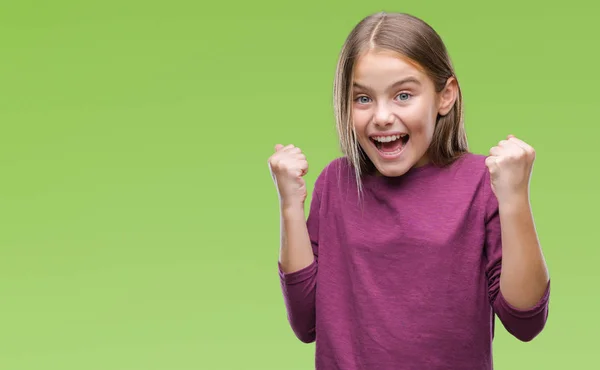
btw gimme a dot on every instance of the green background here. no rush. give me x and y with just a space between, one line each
138 221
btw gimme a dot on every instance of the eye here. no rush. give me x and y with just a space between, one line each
403 96
362 99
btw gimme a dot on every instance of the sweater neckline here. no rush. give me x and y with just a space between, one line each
411 173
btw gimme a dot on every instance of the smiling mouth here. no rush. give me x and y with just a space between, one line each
390 145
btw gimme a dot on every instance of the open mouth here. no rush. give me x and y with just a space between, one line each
390 145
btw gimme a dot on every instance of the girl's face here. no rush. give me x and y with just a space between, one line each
394 110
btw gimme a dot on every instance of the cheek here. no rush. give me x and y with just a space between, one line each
420 121
360 119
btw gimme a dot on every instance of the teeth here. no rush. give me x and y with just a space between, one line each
387 139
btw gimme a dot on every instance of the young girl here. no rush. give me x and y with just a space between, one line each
412 243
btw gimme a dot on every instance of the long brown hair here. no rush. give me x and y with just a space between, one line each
414 39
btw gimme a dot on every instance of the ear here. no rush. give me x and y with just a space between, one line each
448 96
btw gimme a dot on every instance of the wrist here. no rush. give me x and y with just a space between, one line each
291 208
515 202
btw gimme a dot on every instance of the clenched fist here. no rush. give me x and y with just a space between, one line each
288 165
510 165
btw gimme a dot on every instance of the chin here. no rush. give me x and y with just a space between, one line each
392 169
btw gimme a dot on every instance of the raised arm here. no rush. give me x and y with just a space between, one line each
298 244
518 277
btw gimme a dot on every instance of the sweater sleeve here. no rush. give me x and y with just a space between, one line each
299 287
525 325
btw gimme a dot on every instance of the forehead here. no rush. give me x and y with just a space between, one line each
386 65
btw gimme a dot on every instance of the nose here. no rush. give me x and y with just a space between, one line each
383 116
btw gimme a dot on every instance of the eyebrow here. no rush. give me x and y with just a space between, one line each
404 81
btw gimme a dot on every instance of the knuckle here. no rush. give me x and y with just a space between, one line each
523 153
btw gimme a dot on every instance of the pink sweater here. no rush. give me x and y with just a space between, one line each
409 278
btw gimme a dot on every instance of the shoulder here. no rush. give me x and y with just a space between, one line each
335 172
469 175
471 162
335 169
472 167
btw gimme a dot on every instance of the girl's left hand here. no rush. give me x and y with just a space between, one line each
510 165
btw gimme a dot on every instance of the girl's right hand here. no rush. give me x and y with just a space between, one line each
288 165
